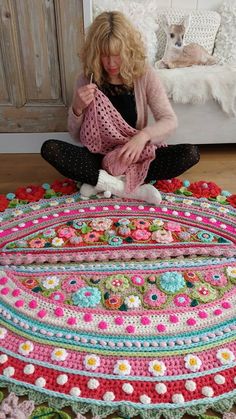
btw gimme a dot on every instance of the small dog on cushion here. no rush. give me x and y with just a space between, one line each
179 55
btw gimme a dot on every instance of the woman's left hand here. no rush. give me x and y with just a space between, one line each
130 152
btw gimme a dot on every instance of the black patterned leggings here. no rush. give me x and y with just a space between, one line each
80 164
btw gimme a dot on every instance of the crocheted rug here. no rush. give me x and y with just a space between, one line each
120 324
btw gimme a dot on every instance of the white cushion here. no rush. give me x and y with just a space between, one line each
225 49
202 30
140 13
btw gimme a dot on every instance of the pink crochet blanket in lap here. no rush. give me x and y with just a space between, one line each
104 131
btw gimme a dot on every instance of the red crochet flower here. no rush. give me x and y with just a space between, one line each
204 189
3 202
30 193
170 185
232 200
65 186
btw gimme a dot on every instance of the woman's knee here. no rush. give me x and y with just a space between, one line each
194 153
47 147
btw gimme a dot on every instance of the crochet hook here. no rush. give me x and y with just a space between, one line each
91 79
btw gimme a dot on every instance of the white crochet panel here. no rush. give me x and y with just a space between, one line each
202 29
140 13
225 49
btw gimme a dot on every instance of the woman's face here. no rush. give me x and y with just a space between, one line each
111 64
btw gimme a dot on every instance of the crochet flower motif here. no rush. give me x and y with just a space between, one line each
225 356
170 185
51 282
232 200
172 226
12 409
191 276
91 362
30 283
101 224
117 282
86 297
113 302
162 236
141 224
30 193
115 241
172 282
26 347
154 298
3 202
37 243
122 368
157 368
57 296
65 186
157 222
123 221
124 231
66 232
138 280
182 300
204 189
49 233
133 301
59 354
57 242
204 293
205 236
78 224
72 284
216 279
231 272
192 362
141 234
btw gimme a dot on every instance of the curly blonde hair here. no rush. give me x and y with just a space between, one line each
111 33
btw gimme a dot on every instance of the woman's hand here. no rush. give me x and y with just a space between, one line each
131 151
83 97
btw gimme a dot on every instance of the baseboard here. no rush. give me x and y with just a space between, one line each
30 142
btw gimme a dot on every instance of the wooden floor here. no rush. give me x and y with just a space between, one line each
217 163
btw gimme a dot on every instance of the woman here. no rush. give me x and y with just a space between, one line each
117 100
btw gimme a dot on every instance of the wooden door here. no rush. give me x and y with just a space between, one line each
40 42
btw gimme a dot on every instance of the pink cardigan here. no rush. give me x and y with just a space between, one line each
148 91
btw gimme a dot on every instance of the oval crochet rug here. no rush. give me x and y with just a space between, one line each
138 316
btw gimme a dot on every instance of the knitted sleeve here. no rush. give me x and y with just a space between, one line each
166 120
74 122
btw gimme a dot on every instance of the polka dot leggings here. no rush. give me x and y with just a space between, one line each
80 164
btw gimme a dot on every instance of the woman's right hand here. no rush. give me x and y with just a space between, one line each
83 96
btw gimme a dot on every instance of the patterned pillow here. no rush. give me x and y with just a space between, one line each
225 49
202 30
140 13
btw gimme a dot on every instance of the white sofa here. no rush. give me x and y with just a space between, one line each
201 120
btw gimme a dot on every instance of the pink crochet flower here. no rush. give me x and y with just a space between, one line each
12 409
37 243
141 224
162 236
181 300
138 280
217 279
57 296
72 284
66 232
172 226
93 236
154 298
141 234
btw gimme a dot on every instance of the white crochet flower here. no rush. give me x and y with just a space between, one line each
26 347
91 362
59 354
225 356
231 271
157 222
192 362
50 282
122 368
188 202
57 242
132 301
156 368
